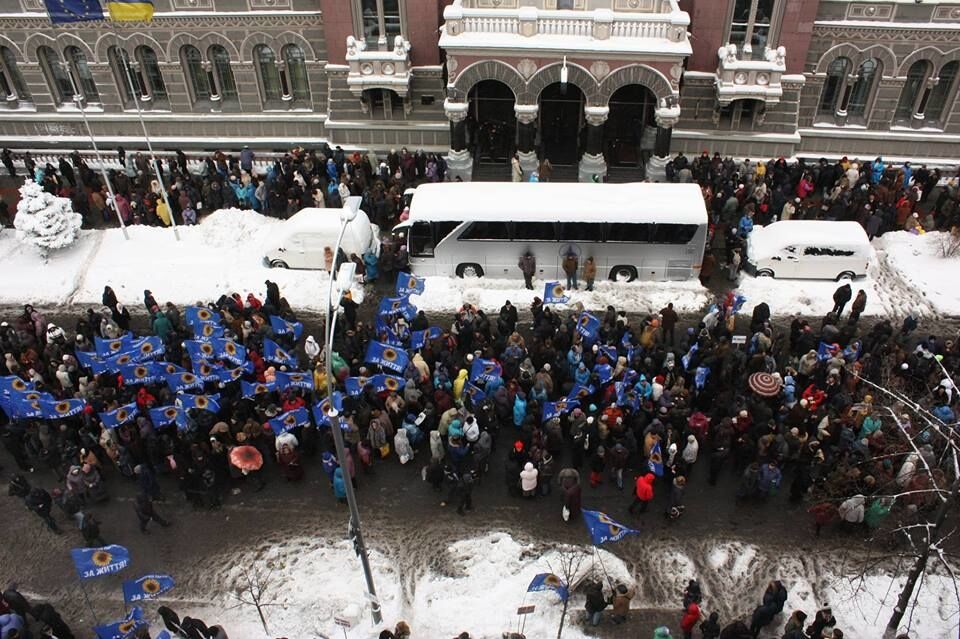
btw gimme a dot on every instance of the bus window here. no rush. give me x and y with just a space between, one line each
421 240
536 231
673 233
581 232
485 231
626 232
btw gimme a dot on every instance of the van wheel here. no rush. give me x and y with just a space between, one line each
469 270
846 275
623 273
278 264
765 273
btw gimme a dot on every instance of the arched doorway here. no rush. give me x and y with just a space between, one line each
630 131
561 120
492 122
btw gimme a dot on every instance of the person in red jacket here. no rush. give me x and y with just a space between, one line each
690 619
644 493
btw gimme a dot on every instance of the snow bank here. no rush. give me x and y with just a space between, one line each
804 297
917 259
26 278
446 294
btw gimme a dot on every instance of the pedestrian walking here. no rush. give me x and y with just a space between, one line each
143 506
643 493
840 298
40 503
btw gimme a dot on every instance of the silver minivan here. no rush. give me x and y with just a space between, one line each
809 249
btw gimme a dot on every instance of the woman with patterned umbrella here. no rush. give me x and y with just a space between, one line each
248 460
764 384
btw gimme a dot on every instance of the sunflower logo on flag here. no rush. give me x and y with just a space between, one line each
391 384
204 315
124 359
489 368
146 348
170 412
561 405
290 420
230 348
412 282
126 627
207 330
102 558
557 291
201 402
19 385
282 354
584 321
150 586
296 378
32 396
62 408
206 349
614 527
188 378
553 581
140 372
122 415
205 369
116 345
235 373
170 369
260 388
389 354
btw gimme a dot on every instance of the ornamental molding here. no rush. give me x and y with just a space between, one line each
887 33
225 20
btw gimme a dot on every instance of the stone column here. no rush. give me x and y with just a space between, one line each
527 135
459 160
667 115
592 163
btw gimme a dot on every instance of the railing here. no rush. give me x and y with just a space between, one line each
565 27
491 24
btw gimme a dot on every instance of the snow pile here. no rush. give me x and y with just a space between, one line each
228 228
29 279
917 259
45 221
805 297
445 294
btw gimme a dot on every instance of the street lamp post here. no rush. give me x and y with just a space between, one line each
347 214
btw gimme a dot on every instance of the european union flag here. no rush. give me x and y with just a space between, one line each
229 351
295 380
195 314
474 393
146 373
147 348
407 284
164 415
485 370
557 408
281 326
386 356
385 383
252 389
110 347
146 587
655 463
123 628
207 330
549 581
603 529
61 409
588 326
419 339
355 385
321 408
91 362
209 403
12 383
397 306
290 420
119 416
553 293
96 562
66 11
276 355
604 372
179 382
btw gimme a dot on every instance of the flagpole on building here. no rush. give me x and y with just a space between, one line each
135 96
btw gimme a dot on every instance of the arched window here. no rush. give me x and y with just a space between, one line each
198 80
270 85
833 86
60 85
298 85
913 92
11 81
119 64
862 88
935 113
151 79
224 83
81 72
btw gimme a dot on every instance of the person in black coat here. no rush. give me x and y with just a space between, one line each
40 502
711 627
47 615
841 296
145 512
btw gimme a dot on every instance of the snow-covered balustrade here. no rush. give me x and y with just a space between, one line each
739 77
655 27
378 69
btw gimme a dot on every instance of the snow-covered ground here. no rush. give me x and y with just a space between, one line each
477 584
918 261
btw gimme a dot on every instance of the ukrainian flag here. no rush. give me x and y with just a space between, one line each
130 10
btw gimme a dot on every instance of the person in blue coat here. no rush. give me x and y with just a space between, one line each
582 375
876 170
373 269
339 487
745 227
328 462
519 409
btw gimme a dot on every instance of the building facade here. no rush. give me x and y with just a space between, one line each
598 87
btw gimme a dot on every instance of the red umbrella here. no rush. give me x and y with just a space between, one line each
246 458
764 384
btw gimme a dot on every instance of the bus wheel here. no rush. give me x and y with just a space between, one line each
469 270
623 274
765 273
278 264
846 275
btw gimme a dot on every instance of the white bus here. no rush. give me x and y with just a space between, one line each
632 231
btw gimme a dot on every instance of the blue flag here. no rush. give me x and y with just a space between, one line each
385 334
206 372
321 408
229 351
557 408
290 420
825 351
588 326
96 562
227 375
61 409
627 396
146 587
549 581
109 347
474 393
738 302
295 380
91 362
419 339
385 383
281 326
164 415
67 11
179 382
118 361
123 628
685 360
249 389
580 392
195 314
603 529
26 405
409 284
604 372
609 352
119 416
701 376
386 356
207 330
485 370
13 383
276 355
655 463
355 385
553 293
146 373
147 348
200 350
209 403
397 306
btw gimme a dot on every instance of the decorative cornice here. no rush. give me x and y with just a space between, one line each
885 32
187 20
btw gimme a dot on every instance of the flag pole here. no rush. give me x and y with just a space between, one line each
78 98
135 96
86 598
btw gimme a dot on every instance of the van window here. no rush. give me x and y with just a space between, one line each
581 232
827 251
673 233
442 229
421 240
485 231
626 232
536 231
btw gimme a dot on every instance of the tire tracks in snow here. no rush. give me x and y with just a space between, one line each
81 276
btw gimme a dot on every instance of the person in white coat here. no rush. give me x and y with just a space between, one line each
436 447
63 376
402 445
908 470
311 348
528 480
852 510
691 451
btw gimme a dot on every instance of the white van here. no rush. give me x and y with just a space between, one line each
811 249
299 242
